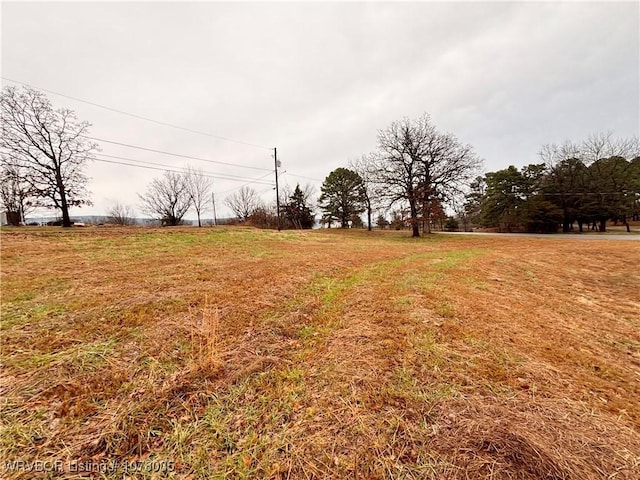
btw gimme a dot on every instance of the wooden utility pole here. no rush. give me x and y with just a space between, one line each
275 158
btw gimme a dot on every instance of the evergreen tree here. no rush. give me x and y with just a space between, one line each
297 212
343 196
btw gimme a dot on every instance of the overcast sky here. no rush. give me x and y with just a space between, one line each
318 80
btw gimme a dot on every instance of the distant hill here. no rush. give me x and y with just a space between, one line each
102 219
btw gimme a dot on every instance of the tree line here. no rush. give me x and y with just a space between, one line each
43 153
576 186
415 168
417 177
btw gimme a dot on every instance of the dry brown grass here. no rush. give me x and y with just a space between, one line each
204 337
238 353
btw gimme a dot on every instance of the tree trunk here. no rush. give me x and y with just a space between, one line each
565 217
415 227
64 206
13 218
369 217
428 214
603 225
66 220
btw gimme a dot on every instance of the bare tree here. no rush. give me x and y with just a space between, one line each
308 194
243 202
199 186
167 199
49 144
16 193
553 154
415 163
598 146
121 214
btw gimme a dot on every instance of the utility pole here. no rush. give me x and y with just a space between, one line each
213 200
275 159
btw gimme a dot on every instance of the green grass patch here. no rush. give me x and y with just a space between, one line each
79 357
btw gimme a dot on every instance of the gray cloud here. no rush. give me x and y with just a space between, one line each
317 80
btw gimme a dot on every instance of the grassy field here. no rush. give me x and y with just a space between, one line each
238 353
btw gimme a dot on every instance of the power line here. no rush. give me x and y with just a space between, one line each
221 176
244 185
138 166
174 154
257 180
306 178
140 117
266 190
578 194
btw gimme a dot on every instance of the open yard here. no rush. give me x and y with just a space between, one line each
239 353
